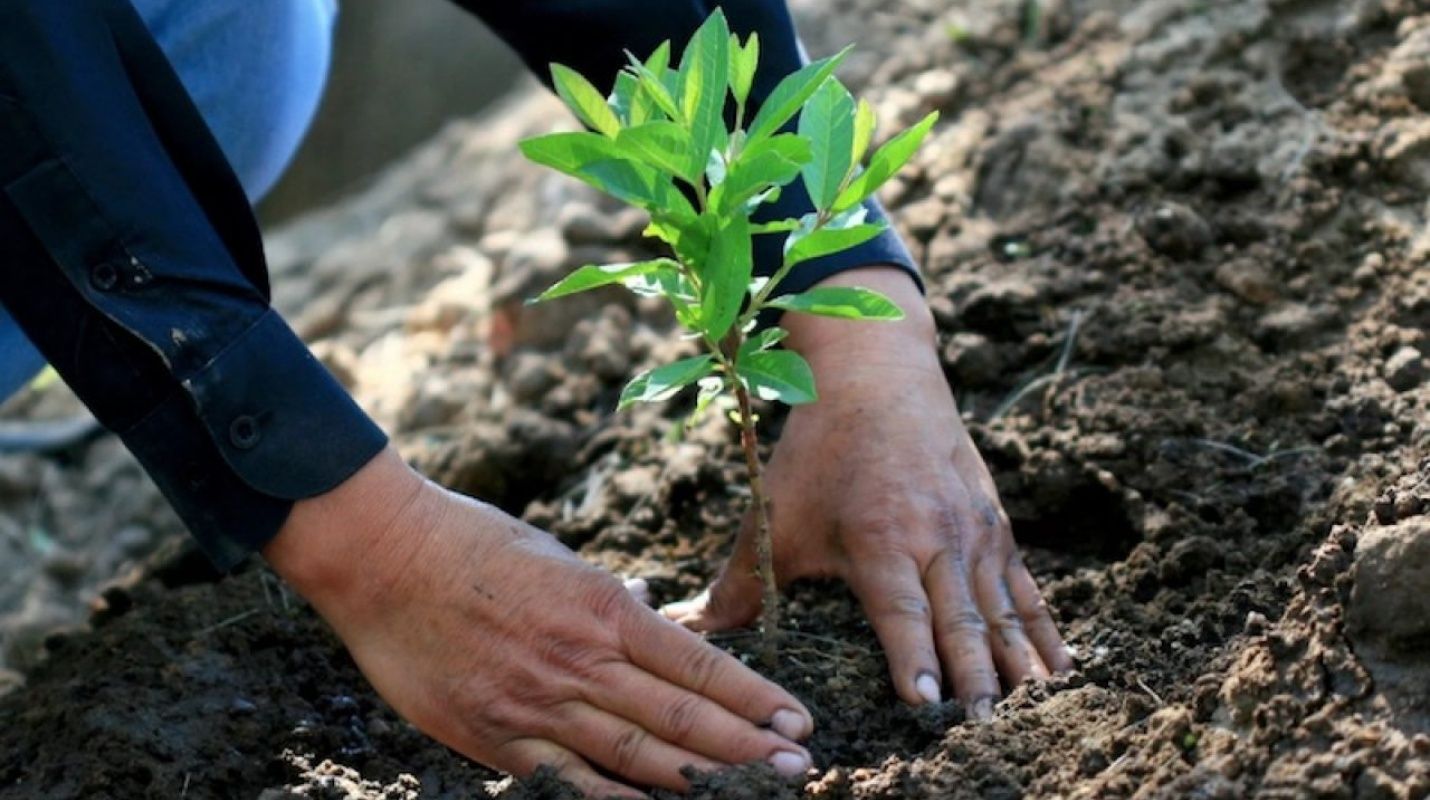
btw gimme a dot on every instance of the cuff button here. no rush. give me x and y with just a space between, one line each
244 433
104 277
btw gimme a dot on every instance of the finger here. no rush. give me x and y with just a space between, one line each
678 656
1038 618
960 634
1013 651
733 600
522 757
636 754
897 606
689 721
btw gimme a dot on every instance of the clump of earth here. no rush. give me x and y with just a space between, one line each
1179 257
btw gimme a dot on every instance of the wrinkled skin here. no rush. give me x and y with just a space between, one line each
497 641
878 483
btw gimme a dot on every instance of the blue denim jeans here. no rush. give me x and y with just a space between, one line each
256 70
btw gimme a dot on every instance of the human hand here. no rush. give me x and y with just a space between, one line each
495 640
878 483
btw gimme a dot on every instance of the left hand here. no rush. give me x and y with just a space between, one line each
878 483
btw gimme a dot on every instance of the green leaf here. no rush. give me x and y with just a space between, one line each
781 375
664 145
593 276
662 383
827 121
864 122
770 162
885 163
724 276
703 81
791 93
632 105
601 163
688 235
775 226
650 75
743 61
760 342
674 287
569 152
585 100
845 302
828 240
636 184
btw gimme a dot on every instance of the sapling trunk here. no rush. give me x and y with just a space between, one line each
764 542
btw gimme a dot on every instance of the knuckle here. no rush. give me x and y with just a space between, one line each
569 658
700 668
679 720
907 605
626 749
1009 621
962 624
608 602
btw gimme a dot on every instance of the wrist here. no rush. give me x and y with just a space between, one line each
831 343
340 543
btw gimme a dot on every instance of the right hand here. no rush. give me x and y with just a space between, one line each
494 639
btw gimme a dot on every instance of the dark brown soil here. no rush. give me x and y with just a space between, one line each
1179 255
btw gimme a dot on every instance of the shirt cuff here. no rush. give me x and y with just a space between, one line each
223 451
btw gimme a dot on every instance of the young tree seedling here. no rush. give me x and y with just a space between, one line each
675 142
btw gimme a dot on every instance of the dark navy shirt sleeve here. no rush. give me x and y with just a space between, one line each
130 257
592 37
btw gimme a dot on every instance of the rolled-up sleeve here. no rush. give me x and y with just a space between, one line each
593 36
130 257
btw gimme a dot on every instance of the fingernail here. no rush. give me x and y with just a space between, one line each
790 765
790 724
981 709
927 687
639 589
676 611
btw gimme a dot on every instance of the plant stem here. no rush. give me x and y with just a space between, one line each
764 545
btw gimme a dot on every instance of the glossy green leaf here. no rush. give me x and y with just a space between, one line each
674 287
762 341
885 163
828 240
662 383
569 152
791 93
827 122
781 375
594 276
844 302
770 162
651 76
664 145
743 61
775 226
864 123
585 100
723 276
704 79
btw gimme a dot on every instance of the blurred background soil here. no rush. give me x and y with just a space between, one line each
1179 256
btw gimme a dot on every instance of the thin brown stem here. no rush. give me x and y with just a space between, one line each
764 545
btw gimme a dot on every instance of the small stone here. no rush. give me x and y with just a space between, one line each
1248 280
972 360
1174 230
1405 370
937 87
530 376
1388 598
242 707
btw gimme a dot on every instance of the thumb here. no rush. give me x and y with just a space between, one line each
733 600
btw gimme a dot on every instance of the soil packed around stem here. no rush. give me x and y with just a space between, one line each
1177 252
